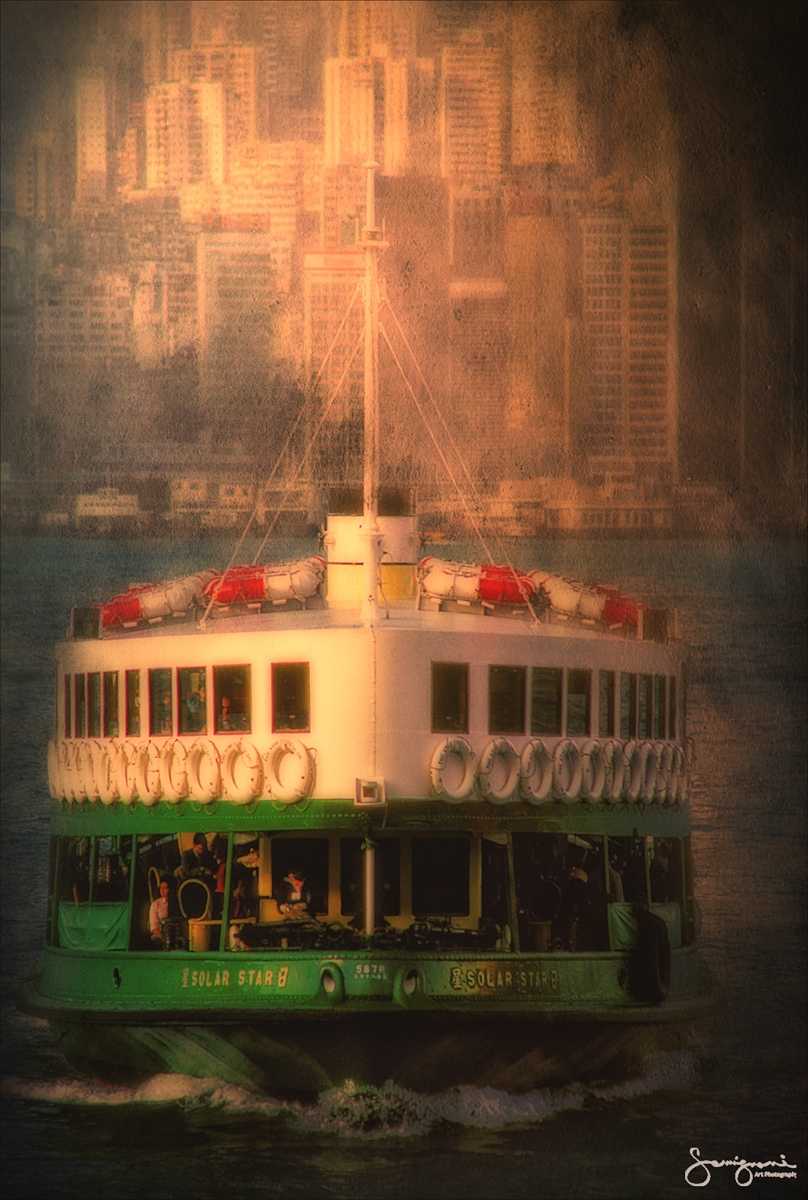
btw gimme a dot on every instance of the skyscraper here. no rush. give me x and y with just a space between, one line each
92 136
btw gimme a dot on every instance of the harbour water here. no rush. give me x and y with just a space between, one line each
736 1089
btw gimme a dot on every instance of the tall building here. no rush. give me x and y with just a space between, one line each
92 137
241 72
543 88
36 180
374 28
474 114
185 135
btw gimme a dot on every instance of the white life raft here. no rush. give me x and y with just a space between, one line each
296 580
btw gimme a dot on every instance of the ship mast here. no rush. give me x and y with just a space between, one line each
372 241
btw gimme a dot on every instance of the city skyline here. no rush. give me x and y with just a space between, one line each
624 291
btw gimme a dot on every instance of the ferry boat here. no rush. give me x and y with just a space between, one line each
369 815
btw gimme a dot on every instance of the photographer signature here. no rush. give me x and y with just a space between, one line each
745 1171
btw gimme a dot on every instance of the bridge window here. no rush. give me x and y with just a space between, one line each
579 685
192 693
440 877
161 723
545 712
111 727
133 703
290 696
450 697
506 699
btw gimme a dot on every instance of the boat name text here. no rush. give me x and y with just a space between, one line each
492 978
250 977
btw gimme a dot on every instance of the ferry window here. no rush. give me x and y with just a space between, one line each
627 859
387 878
672 707
112 869
68 707
545 712
578 703
440 876
290 696
76 885
506 699
628 706
79 686
111 727
133 703
161 722
450 697
94 704
645 708
192 693
665 871
307 857
233 698
660 700
606 704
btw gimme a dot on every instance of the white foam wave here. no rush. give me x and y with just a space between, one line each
367 1112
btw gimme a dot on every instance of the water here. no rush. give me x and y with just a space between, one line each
736 1089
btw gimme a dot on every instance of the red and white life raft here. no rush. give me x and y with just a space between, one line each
145 601
295 580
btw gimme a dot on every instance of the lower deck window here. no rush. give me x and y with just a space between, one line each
450 697
440 876
290 697
506 699
386 876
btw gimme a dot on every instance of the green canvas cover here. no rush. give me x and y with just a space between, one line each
623 927
93 926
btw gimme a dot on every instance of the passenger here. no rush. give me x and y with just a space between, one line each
218 849
225 722
242 905
162 912
293 900
197 710
198 862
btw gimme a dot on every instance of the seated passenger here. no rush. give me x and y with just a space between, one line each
163 913
197 711
292 898
198 862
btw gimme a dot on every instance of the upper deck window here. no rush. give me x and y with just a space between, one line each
450 697
672 723
660 703
645 707
232 696
290 696
111 726
192 694
545 712
94 704
161 719
440 876
133 703
506 699
68 726
628 706
606 710
80 707
579 684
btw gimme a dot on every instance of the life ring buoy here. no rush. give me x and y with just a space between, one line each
147 773
55 784
124 769
567 771
648 775
663 753
83 772
242 772
615 768
633 772
536 772
593 771
498 749
284 784
459 749
105 782
204 771
174 771
650 977
66 759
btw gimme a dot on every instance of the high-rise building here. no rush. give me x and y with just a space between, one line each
240 71
92 137
543 88
374 28
36 180
474 114
185 135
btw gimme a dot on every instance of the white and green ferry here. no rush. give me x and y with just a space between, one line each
369 816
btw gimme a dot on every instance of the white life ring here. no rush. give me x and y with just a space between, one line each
649 770
615 763
204 771
665 761
498 748
632 775
593 770
284 785
567 771
242 772
66 759
123 766
459 749
103 772
147 773
84 784
55 783
174 771
536 774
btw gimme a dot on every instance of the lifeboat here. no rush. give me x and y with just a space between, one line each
143 602
267 581
474 581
